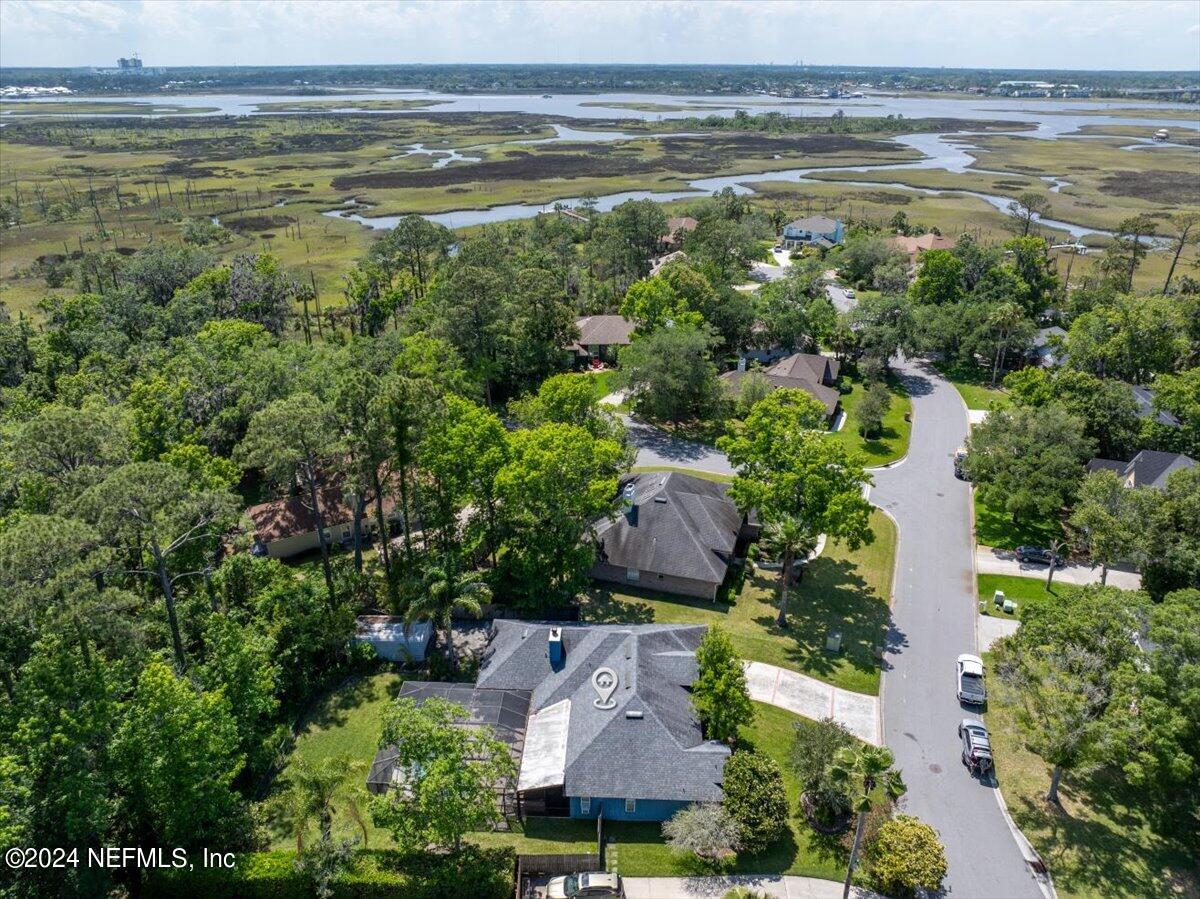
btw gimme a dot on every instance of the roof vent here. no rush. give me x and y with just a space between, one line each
634 714
660 499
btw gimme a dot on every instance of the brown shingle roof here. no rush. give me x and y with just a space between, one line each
827 395
291 516
603 330
686 223
808 367
914 245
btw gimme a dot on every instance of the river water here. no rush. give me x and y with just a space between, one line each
1052 120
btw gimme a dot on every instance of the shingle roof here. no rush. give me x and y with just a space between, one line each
680 525
914 245
828 396
292 515
660 754
684 223
1150 468
807 366
818 224
1144 397
603 330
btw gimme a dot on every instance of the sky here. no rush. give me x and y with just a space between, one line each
1063 34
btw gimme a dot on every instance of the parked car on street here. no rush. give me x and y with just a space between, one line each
971 688
1039 555
960 455
976 746
585 886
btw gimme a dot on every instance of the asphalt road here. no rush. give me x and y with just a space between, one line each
933 620
658 449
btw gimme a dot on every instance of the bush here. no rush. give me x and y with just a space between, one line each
813 749
755 797
706 830
906 856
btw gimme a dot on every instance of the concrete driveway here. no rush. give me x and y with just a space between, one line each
933 620
838 296
1004 561
658 449
815 699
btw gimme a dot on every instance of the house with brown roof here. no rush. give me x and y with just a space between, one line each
812 373
600 336
287 527
914 247
677 230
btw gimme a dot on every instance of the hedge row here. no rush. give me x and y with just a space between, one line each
372 875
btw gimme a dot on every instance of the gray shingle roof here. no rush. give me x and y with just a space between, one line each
1144 398
659 755
818 224
807 367
1151 468
680 525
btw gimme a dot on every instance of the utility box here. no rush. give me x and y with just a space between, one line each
833 641
998 599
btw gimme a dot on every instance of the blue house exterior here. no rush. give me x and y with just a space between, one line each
816 229
625 809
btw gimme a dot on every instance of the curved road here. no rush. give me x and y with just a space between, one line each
933 620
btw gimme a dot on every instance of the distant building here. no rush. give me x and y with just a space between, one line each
129 65
1144 398
816 230
1046 351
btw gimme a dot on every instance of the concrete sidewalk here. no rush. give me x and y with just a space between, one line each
781 887
1003 561
815 699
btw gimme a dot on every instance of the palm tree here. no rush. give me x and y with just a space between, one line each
311 792
787 539
861 769
445 590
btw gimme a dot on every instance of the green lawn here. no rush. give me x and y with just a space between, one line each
973 384
1100 843
601 381
892 442
843 589
640 851
995 527
1019 589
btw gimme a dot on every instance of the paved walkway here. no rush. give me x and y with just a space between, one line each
1004 561
991 628
812 698
933 620
781 887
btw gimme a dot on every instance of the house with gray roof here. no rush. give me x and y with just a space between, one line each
1149 468
676 533
598 719
816 230
611 728
1144 397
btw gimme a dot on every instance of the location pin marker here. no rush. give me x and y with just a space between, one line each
604 680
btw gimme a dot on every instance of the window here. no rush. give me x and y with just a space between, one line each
585 805
632 574
630 806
